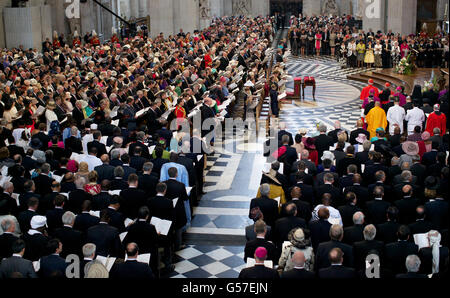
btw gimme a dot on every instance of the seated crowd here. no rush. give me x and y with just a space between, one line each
338 200
90 165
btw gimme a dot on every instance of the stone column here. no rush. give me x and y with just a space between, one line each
143 9
134 9
373 15
260 8
88 16
216 8
185 15
402 16
311 7
161 17
344 7
227 8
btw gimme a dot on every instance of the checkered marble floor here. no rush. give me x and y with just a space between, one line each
209 261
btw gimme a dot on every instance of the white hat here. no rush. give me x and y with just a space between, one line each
94 33
328 155
94 126
38 221
114 30
249 84
75 33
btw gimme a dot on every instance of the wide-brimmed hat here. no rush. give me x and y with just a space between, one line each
431 183
425 136
410 148
35 143
309 144
249 84
327 155
303 131
51 105
298 235
361 138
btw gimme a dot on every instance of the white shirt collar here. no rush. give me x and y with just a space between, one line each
17 255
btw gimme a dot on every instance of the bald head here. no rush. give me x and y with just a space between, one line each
298 259
323 213
296 192
336 256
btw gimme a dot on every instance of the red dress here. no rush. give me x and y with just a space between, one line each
314 156
208 60
76 42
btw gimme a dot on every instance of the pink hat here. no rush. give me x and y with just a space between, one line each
399 88
425 135
261 252
371 91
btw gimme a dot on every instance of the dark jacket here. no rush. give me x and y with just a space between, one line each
259 272
363 248
337 272
84 221
324 248
320 232
297 274
251 246
17 264
72 240
131 199
269 208
283 226
396 253
106 238
105 171
52 264
353 234
131 270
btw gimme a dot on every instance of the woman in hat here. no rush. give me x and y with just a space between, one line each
180 112
83 170
299 241
313 154
92 187
50 114
425 145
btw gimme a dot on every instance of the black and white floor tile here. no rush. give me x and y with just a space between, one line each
216 237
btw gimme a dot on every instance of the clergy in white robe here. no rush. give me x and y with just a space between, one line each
395 116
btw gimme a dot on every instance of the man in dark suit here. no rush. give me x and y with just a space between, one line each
407 206
48 202
412 264
102 200
268 207
361 192
353 234
349 159
162 207
136 160
105 171
322 141
260 241
285 224
363 248
132 198
16 263
299 271
387 232
376 209
53 265
144 235
259 271
306 190
127 170
54 216
336 270
131 268
320 229
25 217
78 196
328 187
140 136
322 254
84 220
370 172
116 217
119 181
43 182
303 208
7 238
422 223
436 210
71 239
289 157
177 190
72 143
396 252
101 148
147 181
349 209
347 179
380 180
105 237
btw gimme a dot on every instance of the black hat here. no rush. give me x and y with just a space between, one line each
35 143
431 183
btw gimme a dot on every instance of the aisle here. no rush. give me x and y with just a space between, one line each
216 238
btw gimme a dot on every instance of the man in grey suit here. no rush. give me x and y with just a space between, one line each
16 266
